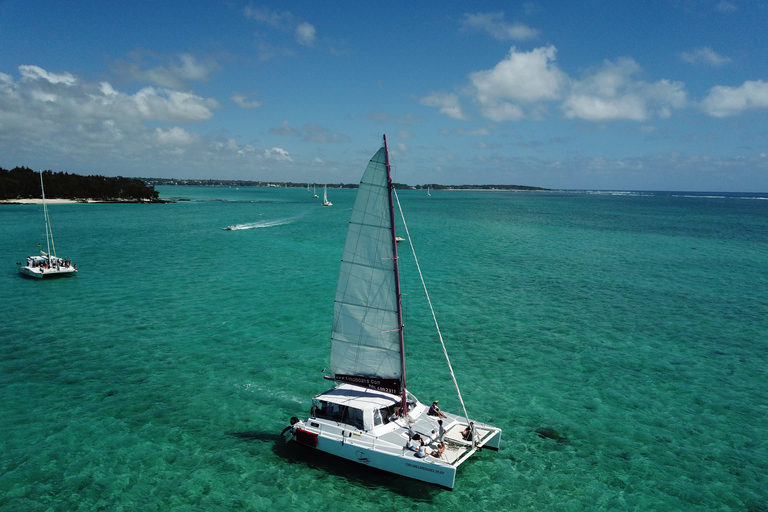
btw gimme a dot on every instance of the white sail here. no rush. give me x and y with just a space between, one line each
326 202
365 342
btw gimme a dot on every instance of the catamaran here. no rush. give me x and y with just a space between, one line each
47 265
326 202
370 417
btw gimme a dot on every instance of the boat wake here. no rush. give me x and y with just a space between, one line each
263 224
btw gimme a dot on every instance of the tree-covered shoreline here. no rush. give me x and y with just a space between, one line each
24 183
184 182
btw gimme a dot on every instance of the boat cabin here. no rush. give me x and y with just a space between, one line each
362 408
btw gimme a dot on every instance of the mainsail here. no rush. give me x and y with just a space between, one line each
366 343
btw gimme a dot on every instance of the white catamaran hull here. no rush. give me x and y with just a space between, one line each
41 273
384 446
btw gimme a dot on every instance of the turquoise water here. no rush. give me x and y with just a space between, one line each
160 377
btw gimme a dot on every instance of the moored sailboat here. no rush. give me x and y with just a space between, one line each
370 417
47 264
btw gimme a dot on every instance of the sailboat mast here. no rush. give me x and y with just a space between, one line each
48 233
397 278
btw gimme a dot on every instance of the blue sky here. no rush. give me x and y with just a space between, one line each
662 95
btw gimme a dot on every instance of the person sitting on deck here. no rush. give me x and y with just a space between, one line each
434 410
467 432
411 444
439 452
423 452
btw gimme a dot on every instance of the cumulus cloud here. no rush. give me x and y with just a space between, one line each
724 101
521 79
164 105
448 103
305 34
283 21
61 115
525 84
278 154
495 25
706 56
175 136
285 130
612 93
32 73
319 134
242 101
175 72
278 19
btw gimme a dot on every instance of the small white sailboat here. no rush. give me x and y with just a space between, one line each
326 202
47 264
370 417
428 191
314 193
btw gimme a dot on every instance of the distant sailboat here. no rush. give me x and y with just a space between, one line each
326 202
47 265
370 418
428 191
314 193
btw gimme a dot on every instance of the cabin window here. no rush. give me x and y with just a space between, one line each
329 411
377 418
350 416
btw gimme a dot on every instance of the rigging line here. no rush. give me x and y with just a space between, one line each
434 317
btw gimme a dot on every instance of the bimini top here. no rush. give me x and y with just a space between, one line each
358 397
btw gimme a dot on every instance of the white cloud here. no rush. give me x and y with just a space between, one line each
166 105
277 154
32 73
726 7
176 71
305 34
277 19
283 21
525 84
449 104
175 137
706 56
318 134
241 100
724 101
64 115
611 93
522 78
285 129
494 24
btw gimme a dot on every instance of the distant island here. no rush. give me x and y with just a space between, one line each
22 183
290 184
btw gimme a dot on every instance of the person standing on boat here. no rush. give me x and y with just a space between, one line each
440 431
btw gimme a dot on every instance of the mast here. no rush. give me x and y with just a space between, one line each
48 232
397 279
